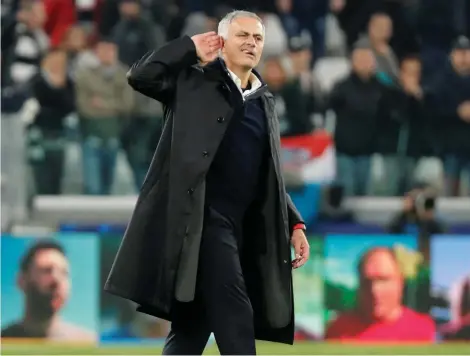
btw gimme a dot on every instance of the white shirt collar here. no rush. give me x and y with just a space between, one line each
255 83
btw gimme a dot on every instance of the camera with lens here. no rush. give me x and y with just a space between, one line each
424 201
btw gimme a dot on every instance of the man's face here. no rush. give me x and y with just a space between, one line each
32 13
244 43
46 284
55 62
411 70
301 59
274 74
461 60
129 9
380 28
76 39
363 62
284 6
381 286
106 53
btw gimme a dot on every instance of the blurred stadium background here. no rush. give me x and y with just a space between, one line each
374 102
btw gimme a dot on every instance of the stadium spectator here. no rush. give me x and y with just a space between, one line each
23 51
76 44
301 56
355 101
291 103
60 16
436 29
405 132
276 43
312 17
378 37
53 89
449 101
104 100
353 17
136 35
160 12
289 21
380 315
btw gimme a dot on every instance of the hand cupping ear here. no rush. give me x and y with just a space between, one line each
207 46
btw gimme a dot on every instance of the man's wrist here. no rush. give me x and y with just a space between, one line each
300 226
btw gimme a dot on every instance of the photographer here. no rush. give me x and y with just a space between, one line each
418 214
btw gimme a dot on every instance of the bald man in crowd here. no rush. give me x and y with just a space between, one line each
380 314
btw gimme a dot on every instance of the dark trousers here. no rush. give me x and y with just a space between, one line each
48 172
139 150
221 304
47 153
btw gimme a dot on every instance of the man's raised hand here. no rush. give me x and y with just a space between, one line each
207 46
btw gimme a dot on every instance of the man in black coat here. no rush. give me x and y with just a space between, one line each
208 244
448 100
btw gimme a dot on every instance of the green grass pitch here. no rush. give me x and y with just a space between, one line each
300 348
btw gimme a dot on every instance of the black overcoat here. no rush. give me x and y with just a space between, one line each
158 257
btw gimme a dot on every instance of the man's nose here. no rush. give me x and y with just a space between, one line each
56 275
251 41
375 289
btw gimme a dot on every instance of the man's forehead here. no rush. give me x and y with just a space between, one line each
381 18
362 52
380 262
249 25
45 257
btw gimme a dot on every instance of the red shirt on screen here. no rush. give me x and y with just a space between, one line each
410 327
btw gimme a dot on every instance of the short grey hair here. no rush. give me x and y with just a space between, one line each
233 15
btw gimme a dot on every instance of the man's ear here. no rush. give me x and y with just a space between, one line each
21 281
222 47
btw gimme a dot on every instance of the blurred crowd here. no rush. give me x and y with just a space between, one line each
406 97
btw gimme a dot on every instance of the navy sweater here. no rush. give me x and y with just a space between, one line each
235 174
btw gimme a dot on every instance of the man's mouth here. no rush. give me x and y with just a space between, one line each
249 53
57 301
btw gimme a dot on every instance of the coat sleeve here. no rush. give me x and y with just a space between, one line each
294 215
154 75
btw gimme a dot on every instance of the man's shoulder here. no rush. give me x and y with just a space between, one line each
345 317
424 320
343 324
75 332
85 72
343 83
122 68
343 320
13 330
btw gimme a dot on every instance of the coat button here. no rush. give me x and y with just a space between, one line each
191 191
220 119
205 153
285 261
